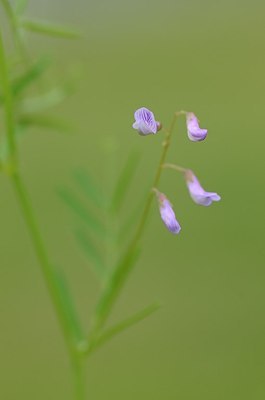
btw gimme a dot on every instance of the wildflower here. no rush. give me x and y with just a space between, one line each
195 133
167 213
198 194
145 122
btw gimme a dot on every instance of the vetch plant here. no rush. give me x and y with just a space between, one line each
23 112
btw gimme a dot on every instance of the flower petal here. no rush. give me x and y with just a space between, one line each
145 122
195 133
197 193
167 214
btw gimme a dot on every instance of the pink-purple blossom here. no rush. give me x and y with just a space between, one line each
197 193
145 122
195 133
167 213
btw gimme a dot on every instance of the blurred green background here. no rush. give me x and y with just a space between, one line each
208 340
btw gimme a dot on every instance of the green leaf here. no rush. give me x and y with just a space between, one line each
46 122
124 181
113 288
130 222
68 306
123 325
80 210
20 6
47 28
46 100
31 75
92 253
90 188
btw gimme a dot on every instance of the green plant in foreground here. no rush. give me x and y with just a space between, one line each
22 112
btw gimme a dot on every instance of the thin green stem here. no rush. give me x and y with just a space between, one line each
120 274
38 245
175 167
20 191
79 377
143 220
8 105
77 366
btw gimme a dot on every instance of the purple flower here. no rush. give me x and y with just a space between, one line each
145 122
198 194
195 133
167 213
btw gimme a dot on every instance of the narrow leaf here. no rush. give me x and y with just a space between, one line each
20 6
68 306
80 210
46 122
113 288
130 222
31 75
46 100
124 181
127 323
47 28
90 188
92 253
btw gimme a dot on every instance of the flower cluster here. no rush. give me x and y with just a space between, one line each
146 124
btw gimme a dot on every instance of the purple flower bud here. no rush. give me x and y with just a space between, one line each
198 194
167 213
145 122
195 133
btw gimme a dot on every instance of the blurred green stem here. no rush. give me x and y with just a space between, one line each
23 200
12 169
38 245
8 104
48 274
79 376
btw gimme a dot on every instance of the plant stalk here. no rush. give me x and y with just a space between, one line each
32 226
120 274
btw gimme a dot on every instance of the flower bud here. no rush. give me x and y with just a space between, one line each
195 133
167 213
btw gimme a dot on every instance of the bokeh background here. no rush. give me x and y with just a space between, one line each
208 340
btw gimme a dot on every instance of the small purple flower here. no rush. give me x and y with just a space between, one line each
198 194
195 133
167 213
145 122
